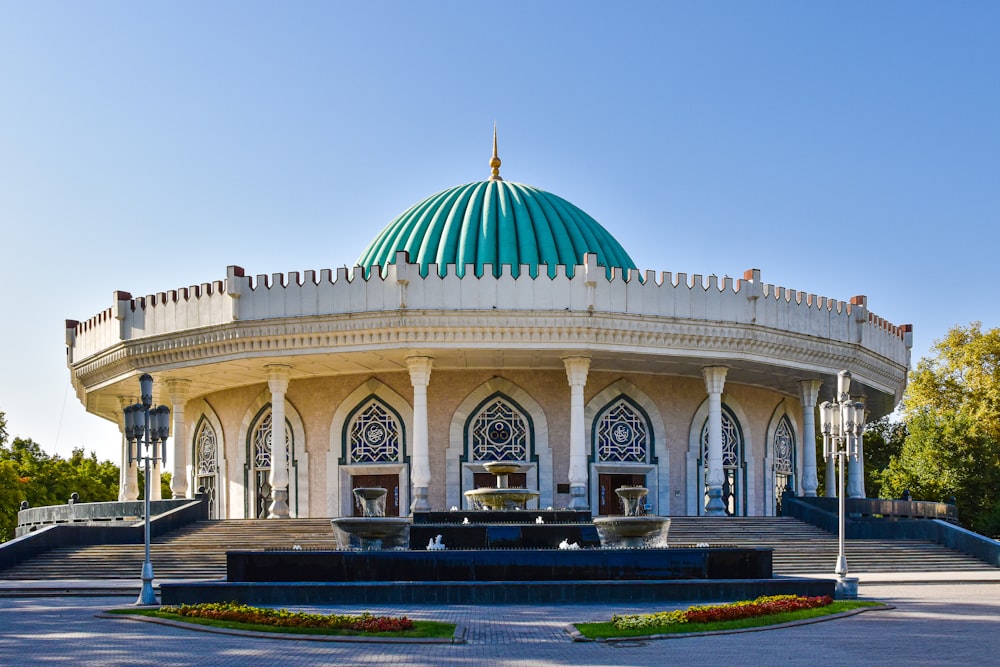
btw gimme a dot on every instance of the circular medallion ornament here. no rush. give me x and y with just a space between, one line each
783 448
375 434
499 433
621 433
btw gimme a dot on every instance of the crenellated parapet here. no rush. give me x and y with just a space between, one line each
161 313
400 288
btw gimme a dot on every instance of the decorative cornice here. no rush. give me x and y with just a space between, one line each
427 330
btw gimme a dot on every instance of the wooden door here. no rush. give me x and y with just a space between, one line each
389 482
485 480
608 502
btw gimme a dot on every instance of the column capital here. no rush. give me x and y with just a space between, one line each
123 402
278 376
577 369
178 389
420 370
810 392
715 378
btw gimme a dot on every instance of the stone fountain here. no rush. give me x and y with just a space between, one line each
495 556
373 529
635 529
502 497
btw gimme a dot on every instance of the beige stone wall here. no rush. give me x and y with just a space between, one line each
676 399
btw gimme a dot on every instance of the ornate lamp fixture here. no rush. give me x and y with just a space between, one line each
146 430
842 424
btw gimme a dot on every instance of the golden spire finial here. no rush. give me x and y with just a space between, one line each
495 161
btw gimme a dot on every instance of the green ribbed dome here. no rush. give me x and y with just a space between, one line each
494 223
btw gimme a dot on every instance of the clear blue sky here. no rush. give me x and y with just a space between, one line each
841 147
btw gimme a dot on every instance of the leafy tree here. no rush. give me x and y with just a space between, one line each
952 414
10 499
165 491
28 473
883 440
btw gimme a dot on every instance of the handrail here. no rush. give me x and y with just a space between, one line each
902 509
33 518
884 508
902 524
38 538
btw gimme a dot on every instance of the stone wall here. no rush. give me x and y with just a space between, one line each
313 403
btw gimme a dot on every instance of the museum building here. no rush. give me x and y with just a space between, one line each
491 321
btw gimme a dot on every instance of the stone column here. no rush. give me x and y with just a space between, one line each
420 464
277 382
577 369
156 481
129 476
715 381
810 393
178 390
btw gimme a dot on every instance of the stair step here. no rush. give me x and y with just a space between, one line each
198 551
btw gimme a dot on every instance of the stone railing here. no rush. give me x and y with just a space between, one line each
871 508
901 509
43 528
878 519
30 519
400 287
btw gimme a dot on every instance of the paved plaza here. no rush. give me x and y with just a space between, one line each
948 621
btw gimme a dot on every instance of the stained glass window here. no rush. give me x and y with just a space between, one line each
622 434
499 432
784 445
261 460
207 460
375 435
206 466
732 460
784 461
732 442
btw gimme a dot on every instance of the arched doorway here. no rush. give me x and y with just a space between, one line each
733 465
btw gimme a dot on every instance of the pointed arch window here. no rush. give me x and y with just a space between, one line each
375 435
206 466
733 467
499 432
259 457
783 453
622 434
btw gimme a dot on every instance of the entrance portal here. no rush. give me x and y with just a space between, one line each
607 501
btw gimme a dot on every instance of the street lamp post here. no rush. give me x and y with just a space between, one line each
842 423
146 430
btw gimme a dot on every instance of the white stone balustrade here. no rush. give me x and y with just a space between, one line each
637 311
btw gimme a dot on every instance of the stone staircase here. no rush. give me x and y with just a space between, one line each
801 548
198 551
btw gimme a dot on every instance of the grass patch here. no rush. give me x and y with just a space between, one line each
607 630
420 629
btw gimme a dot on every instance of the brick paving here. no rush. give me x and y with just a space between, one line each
954 623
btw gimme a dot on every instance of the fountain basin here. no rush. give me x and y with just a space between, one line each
502 467
371 533
501 499
630 532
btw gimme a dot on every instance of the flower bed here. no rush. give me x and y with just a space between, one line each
762 606
282 618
